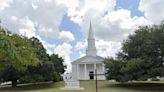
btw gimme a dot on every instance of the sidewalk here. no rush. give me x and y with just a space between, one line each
25 84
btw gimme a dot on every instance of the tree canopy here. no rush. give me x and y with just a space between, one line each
142 54
26 60
58 63
51 63
16 53
16 50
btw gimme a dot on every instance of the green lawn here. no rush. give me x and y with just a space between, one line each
104 86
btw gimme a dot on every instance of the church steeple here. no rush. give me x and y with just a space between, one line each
91 50
90 34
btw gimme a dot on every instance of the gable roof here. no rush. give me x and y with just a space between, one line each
89 59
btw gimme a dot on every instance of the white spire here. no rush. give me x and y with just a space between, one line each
91 50
90 35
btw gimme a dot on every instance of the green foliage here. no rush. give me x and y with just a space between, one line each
16 53
9 73
113 68
31 78
41 69
58 63
16 50
142 53
134 70
49 70
40 50
25 60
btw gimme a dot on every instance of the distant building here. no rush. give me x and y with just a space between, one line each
84 67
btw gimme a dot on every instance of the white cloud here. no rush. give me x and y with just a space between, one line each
34 6
69 3
46 14
104 48
64 50
49 47
66 36
41 18
153 10
108 48
27 27
88 9
81 54
108 23
5 4
115 25
81 45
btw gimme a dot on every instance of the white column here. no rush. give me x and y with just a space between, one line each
77 71
94 66
103 68
85 71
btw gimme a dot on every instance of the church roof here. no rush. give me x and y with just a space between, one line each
89 59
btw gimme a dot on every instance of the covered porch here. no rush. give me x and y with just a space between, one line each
86 71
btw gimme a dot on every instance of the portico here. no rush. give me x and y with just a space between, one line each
84 70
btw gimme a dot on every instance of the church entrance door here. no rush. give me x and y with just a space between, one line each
91 75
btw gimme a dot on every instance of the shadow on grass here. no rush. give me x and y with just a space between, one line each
30 87
155 87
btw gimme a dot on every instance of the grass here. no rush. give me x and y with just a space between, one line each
103 86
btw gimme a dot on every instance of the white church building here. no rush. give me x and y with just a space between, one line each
84 67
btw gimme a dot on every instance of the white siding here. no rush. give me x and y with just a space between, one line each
81 72
100 71
74 71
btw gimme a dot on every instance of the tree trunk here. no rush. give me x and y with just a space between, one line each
14 83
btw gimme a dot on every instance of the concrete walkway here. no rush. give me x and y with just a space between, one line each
25 84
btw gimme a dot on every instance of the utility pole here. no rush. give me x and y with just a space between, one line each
96 80
95 74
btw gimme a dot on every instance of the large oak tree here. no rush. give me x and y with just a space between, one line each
16 54
142 54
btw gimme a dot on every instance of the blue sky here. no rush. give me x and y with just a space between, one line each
131 5
67 24
62 25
